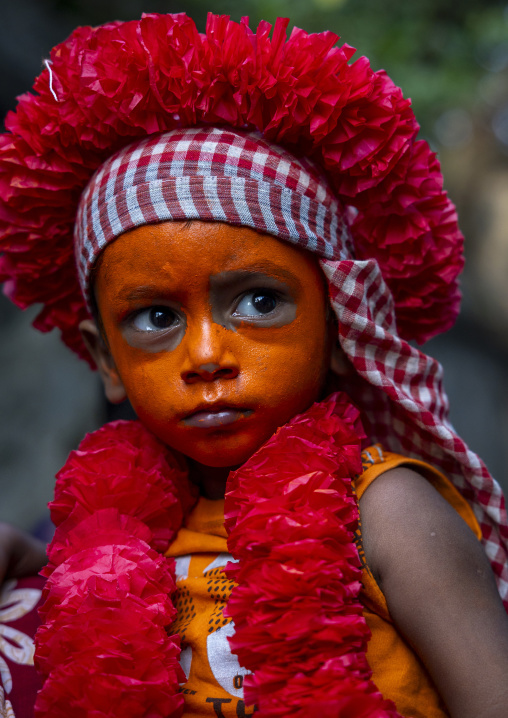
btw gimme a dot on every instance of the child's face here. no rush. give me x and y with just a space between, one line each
218 335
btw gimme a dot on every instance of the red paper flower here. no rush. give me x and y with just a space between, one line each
419 213
104 647
127 666
298 576
124 466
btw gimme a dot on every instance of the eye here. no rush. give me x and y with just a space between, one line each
257 303
155 319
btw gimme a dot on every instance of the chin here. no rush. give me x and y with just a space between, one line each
223 451
223 458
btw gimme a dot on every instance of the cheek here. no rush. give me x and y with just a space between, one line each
150 389
288 366
150 380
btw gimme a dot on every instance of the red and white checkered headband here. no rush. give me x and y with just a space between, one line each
239 178
207 173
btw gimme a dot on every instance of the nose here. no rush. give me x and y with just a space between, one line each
209 356
209 372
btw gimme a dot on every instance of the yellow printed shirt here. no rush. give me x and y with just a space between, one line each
214 684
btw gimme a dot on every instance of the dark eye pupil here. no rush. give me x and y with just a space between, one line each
161 318
264 303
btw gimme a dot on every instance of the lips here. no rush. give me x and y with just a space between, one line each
215 416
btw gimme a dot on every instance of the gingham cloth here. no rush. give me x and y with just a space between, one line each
226 175
208 174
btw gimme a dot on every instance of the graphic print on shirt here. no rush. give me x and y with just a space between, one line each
215 678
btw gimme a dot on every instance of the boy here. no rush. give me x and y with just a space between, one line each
197 252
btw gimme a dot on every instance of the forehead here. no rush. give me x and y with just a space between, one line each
180 251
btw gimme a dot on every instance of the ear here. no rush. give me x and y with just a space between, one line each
339 363
113 385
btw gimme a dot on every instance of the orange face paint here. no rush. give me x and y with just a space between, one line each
219 334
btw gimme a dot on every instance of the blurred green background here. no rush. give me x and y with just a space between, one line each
450 57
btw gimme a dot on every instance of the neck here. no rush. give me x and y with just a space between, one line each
210 479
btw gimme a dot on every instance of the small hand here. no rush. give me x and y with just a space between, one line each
20 553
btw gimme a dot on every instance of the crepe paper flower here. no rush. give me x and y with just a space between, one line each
108 595
291 516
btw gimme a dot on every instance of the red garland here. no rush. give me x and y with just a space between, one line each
290 514
116 83
104 646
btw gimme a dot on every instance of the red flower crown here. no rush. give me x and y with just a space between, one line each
106 86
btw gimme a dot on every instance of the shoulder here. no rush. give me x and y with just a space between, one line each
404 518
440 590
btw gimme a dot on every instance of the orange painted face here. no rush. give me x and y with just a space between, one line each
218 334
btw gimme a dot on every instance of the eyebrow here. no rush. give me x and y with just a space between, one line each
141 293
148 291
261 267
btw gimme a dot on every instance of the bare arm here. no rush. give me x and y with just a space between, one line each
440 591
20 553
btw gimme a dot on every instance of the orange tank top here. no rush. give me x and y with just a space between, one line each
214 684
396 669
